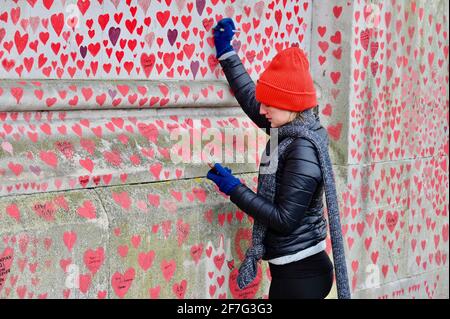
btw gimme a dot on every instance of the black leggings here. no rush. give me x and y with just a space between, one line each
309 278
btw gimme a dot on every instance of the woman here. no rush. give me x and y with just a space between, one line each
289 227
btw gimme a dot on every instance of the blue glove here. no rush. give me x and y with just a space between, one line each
223 178
222 39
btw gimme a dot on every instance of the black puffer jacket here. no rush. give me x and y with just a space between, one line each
295 220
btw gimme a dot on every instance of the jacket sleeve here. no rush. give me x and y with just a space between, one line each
298 182
244 89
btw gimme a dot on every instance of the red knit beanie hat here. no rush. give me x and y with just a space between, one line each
287 83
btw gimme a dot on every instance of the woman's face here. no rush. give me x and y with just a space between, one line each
277 117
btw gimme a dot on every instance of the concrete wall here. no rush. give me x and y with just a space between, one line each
94 95
383 70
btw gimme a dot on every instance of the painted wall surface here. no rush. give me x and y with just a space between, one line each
140 39
95 95
93 99
383 70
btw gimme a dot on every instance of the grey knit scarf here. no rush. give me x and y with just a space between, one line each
266 188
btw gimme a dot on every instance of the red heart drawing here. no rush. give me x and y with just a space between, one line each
145 260
13 211
155 169
45 210
182 231
87 163
87 210
179 289
149 131
85 281
196 252
219 260
57 21
69 239
200 193
154 292
242 234
123 199
250 291
49 158
168 269
136 240
94 259
6 260
391 220
121 283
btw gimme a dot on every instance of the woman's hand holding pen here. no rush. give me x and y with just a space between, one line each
223 178
223 33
